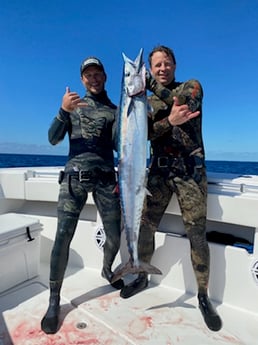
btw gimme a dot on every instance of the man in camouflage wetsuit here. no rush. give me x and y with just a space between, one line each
177 166
90 168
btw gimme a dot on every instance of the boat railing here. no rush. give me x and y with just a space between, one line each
215 185
233 184
226 193
238 188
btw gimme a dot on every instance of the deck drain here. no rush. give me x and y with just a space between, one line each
81 325
254 271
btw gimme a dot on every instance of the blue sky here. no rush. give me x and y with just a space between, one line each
43 43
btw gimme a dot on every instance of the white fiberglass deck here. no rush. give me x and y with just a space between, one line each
166 313
92 313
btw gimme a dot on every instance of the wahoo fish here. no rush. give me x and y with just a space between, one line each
132 155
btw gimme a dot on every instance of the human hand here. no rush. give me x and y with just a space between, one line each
180 113
150 81
71 101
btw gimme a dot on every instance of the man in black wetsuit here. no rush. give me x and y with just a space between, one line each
89 124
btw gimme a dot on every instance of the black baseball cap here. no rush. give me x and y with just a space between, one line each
91 61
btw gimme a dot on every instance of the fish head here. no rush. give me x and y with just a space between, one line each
134 75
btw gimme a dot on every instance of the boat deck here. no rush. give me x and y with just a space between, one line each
92 313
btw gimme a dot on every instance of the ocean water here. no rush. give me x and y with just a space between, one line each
26 160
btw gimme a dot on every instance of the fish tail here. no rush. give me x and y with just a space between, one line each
130 268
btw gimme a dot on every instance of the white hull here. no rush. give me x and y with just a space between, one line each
164 314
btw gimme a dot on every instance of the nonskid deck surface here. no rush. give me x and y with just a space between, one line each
93 313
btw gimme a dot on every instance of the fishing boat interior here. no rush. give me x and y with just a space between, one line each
92 312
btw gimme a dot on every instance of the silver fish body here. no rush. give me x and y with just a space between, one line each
132 156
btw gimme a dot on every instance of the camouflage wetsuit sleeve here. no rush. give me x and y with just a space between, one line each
186 137
189 92
59 127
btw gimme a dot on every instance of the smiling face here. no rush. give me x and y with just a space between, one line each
162 67
93 78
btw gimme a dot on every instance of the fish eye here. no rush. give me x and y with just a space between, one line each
127 73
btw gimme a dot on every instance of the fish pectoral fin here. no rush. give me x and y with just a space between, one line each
130 268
